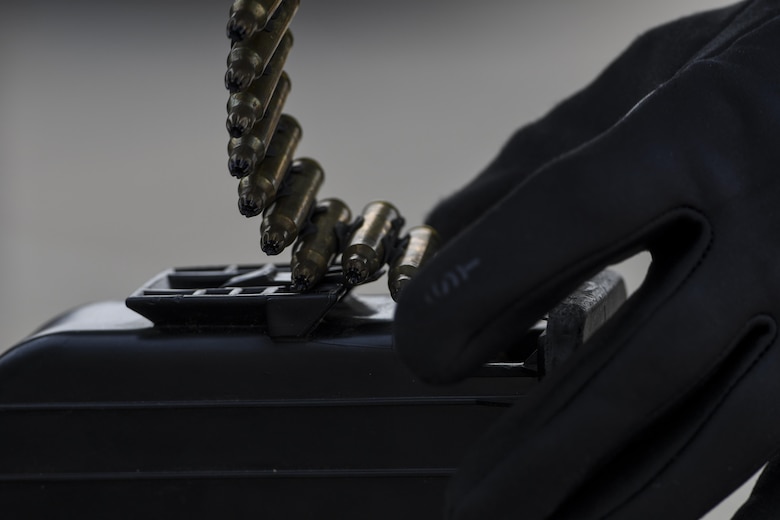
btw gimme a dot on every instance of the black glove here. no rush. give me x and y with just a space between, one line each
674 402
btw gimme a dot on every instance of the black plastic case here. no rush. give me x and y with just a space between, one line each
241 401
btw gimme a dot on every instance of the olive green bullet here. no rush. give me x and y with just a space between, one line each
314 252
246 152
249 58
366 250
248 17
284 219
245 108
422 242
258 189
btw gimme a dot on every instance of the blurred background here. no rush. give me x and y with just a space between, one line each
113 145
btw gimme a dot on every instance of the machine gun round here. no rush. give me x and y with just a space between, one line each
249 58
285 218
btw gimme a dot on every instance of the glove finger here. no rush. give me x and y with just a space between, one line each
649 61
594 206
637 408
484 289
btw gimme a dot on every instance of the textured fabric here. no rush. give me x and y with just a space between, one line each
671 405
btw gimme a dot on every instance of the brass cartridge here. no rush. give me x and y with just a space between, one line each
258 189
245 108
284 219
423 242
366 250
314 252
249 58
246 152
248 17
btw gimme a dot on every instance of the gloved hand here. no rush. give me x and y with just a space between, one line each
675 401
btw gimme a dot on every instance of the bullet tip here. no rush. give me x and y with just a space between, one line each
248 208
273 242
354 276
271 247
237 80
235 32
240 26
301 283
306 274
237 125
239 166
355 269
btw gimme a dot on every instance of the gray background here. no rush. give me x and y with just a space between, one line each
112 139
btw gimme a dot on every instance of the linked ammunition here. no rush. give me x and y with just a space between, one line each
367 249
249 58
248 150
284 219
314 252
422 242
258 189
246 108
248 17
